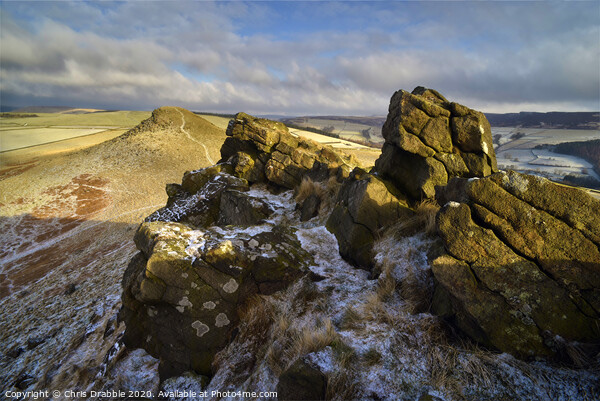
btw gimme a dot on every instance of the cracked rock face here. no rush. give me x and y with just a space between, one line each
522 269
182 291
364 206
429 140
261 150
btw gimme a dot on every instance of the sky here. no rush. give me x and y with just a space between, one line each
299 58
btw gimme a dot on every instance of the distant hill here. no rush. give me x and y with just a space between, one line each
373 121
43 109
57 109
564 120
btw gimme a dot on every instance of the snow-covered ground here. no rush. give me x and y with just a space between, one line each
520 154
369 336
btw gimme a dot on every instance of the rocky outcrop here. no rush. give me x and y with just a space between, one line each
522 269
197 201
262 150
364 206
182 291
198 262
429 140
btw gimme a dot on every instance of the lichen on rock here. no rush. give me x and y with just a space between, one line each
429 140
523 258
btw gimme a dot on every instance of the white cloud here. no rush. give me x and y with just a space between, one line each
209 56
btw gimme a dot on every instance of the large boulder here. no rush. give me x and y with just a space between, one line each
261 150
182 292
365 205
522 267
429 140
198 262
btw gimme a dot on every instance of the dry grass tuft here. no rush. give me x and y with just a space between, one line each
426 212
375 309
422 221
351 318
342 385
451 367
289 341
371 357
307 188
326 191
257 316
311 338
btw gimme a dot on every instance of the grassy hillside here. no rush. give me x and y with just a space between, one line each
66 229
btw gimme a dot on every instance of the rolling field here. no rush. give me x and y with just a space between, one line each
520 152
351 128
25 132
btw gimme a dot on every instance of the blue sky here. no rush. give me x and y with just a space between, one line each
299 57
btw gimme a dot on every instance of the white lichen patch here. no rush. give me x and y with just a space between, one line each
201 328
266 247
183 303
452 204
231 286
485 148
253 243
221 320
194 285
184 275
209 305
481 129
151 311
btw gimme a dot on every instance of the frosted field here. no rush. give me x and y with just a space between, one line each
23 138
521 155
345 129
24 132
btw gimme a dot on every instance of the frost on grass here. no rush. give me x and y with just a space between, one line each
372 338
369 341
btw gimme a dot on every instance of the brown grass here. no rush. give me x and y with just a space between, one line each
326 191
422 221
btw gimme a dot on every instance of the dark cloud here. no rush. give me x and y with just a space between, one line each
300 58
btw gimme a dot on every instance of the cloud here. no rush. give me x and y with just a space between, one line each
297 58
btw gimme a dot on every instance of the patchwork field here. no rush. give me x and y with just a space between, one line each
518 149
24 132
352 128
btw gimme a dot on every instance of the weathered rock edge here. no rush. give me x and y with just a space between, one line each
261 150
182 292
429 140
522 269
